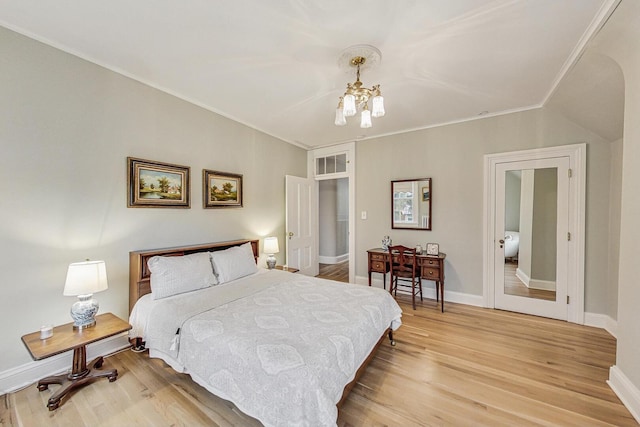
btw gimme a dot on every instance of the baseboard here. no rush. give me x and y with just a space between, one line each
544 285
523 277
430 292
628 393
333 259
601 321
21 376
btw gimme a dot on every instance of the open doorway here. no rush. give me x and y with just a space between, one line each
333 223
333 169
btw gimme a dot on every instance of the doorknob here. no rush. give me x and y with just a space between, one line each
501 243
290 235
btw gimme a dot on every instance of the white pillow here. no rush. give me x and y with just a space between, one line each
171 275
233 263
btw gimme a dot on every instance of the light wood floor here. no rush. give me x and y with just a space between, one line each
339 272
466 366
513 285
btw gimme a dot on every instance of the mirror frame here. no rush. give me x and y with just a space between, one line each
430 218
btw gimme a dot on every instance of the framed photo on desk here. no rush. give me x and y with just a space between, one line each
433 249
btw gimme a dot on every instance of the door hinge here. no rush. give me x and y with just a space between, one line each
569 172
567 299
569 236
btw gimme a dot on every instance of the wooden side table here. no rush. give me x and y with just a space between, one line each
64 338
283 268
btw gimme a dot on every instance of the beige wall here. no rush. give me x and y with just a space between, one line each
615 202
66 128
333 218
620 39
453 157
545 221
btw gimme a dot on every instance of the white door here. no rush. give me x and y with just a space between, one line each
531 236
302 224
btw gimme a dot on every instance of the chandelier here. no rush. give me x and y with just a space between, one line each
356 98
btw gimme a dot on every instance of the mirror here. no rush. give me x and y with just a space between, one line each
530 233
411 204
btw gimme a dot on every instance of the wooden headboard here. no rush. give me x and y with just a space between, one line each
140 276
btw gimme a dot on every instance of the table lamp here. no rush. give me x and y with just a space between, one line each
83 280
271 248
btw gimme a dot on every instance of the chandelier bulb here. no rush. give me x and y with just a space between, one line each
378 106
349 108
365 118
340 120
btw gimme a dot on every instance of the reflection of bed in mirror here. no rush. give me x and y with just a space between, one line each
511 243
284 348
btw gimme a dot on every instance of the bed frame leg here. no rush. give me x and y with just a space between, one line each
137 345
393 342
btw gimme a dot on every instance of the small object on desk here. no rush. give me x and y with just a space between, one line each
433 249
418 249
386 242
46 331
67 338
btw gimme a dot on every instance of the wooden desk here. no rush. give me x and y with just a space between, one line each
65 338
431 268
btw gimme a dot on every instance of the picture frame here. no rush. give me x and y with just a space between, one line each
152 184
426 194
221 189
433 249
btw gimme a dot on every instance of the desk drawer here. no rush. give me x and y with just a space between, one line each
379 266
430 273
434 263
377 257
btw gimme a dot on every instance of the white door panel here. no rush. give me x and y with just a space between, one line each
301 224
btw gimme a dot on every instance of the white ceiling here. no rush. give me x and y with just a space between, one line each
273 64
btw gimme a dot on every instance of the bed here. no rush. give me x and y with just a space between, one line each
284 348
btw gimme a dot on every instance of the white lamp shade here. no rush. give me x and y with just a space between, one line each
378 106
365 121
85 278
349 108
340 120
271 245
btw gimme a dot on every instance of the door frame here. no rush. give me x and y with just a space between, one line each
577 201
350 149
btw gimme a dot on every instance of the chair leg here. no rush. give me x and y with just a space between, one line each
420 284
413 292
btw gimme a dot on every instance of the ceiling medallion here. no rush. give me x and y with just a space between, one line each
356 97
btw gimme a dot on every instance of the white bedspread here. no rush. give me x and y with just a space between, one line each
280 346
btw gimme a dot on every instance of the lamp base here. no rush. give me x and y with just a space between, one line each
271 262
83 312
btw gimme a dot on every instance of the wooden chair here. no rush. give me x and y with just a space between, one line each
405 268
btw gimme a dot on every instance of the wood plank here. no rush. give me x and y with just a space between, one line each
466 366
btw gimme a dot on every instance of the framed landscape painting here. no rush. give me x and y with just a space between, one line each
153 184
221 189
